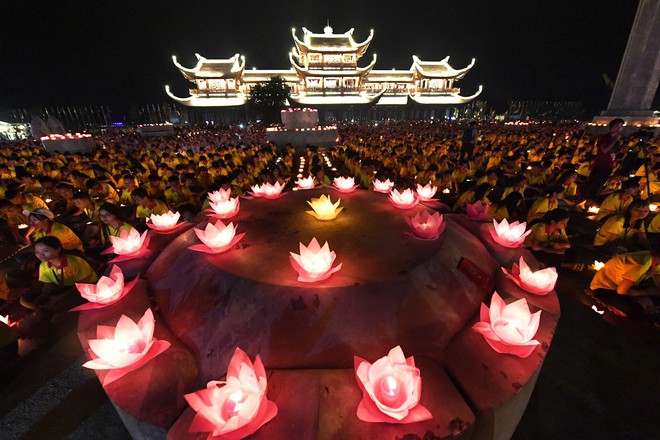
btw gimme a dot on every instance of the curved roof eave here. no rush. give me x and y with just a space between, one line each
446 99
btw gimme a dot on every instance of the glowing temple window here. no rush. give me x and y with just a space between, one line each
314 57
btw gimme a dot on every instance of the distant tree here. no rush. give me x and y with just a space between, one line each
268 98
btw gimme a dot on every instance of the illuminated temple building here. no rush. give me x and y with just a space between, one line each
324 71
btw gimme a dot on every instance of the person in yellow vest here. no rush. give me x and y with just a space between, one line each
632 273
147 205
617 202
42 220
26 201
506 209
129 186
102 191
59 272
624 232
480 193
549 235
544 204
17 221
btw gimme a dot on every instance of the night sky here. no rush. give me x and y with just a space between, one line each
119 52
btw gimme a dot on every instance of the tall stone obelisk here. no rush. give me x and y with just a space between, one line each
639 74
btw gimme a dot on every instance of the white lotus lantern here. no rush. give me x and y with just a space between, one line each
216 238
345 184
225 208
165 222
509 235
314 263
306 182
426 192
540 282
509 328
477 211
405 199
383 187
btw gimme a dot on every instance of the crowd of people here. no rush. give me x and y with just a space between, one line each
63 208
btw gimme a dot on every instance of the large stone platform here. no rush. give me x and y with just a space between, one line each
393 289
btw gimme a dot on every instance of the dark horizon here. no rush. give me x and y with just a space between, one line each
120 54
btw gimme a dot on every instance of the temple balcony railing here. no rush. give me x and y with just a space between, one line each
215 93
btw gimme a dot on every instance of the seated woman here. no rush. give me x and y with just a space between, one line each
623 233
112 223
618 201
506 209
147 205
42 220
59 272
550 244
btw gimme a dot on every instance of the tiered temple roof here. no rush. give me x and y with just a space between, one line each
324 71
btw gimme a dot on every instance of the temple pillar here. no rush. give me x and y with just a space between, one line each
639 74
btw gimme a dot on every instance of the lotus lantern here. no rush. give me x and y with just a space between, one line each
225 208
165 222
107 290
477 211
221 195
129 244
405 199
345 184
216 238
540 282
268 190
426 192
391 389
509 235
383 187
306 182
314 263
235 408
124 347
323 208
427 226
509 328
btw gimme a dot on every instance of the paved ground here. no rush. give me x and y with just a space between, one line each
599 381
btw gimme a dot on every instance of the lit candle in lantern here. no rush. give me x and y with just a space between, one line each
389 388
234 403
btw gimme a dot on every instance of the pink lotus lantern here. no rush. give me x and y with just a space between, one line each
314 263
391 389
217 238
383 187
540 282
509 235
509 328
426 226
129 245
268 191
167 222
221 195
225 208
125 347
306 182
323 208
108 290
237 407
477 211
426 192
404 200
345 184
